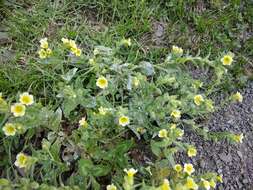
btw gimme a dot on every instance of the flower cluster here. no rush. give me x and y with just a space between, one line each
18 110
177 50
71 44
109 98
10 129
45 51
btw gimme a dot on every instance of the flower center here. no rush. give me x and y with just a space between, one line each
26 99
18 109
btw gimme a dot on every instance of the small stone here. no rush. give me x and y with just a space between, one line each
239 154
245 181
202 163
225 157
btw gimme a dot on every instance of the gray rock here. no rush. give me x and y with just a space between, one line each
225 157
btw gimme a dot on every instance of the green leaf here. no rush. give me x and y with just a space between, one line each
85 167
104 50
69 105
88 102
100 170
155 148
69 75
56 119
4 182
123 147
95 184
55 150
148 68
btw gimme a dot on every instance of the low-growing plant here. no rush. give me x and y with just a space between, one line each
106 104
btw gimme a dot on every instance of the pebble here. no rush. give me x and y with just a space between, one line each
239 154
225 157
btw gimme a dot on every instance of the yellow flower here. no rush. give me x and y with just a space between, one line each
227 59
179 133
237 97
198 99
188 168
212 183
220 178
192 152
18 109
178 168
44 43
141 130
102 111
163 133
124 120
42 54
165 185
176 114
173 126
72 44
9 129
76 51
96 51
92 61
83 123
238 138
190 184
26 99
102 82
126 42
177 50
49 52
21 160
130 172
136 82
206 184
65 41
111 187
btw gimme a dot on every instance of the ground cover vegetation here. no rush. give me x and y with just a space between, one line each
98 94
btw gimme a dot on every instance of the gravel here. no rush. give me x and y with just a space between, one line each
233 161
